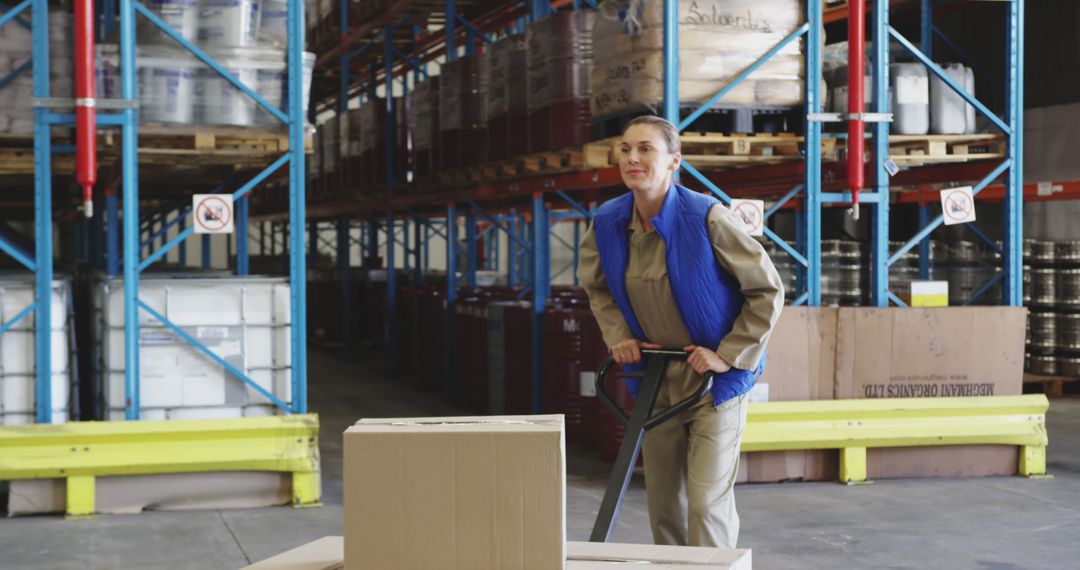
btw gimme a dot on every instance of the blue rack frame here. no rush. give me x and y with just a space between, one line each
529 242
156 226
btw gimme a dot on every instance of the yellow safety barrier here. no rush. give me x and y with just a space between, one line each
81 451
853 426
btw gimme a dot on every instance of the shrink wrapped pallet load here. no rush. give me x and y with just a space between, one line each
424 123
372 117
718 40
17 97
350 127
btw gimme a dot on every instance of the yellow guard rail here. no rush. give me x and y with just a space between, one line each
852 426
81 451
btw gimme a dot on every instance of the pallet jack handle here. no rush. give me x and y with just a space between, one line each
669 354
637 423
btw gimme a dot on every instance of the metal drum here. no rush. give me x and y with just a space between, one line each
1068 326
1068 253
851 282
1044 365
963 252
830 248
850 250
989 255
1068 287
1043 287
1043 331
900 279
909 259
1069 365
963 283
1027 285
1043 253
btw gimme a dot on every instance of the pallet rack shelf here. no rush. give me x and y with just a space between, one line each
809 183
133 235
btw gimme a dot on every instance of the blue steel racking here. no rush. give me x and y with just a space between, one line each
130 260
529 235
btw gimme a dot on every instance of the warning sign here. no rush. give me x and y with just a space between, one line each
213 213
752 215
958 205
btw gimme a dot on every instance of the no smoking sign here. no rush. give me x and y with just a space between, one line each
751 213
958 205
213 213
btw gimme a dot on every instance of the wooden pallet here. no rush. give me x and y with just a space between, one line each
917 150
16 161
1052 386
544 162
165 144
554 161
715 150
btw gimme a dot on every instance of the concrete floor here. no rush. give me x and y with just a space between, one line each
986 524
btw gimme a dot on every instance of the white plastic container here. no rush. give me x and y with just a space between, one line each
243 320
273 22
910 98
219 101
18 367
181 15
273 85
231 23
166 85
948 110
969 84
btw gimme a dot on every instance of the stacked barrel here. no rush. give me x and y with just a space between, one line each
508 123
559 61
463 112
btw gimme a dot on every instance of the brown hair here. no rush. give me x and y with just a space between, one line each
667 130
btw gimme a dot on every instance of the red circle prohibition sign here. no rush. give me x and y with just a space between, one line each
749 214
957 205
208 219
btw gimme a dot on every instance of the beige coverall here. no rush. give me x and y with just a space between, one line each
692 460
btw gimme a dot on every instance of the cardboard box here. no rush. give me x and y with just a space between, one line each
600 556
801 364
927 294
915 352
466 493
327 553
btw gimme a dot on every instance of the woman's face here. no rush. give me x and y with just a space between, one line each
645 162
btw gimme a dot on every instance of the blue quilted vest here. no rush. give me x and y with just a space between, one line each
708 297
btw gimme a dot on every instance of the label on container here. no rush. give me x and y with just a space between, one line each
587 384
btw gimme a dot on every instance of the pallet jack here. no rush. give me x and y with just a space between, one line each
639 421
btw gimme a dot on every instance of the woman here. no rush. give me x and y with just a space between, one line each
668 267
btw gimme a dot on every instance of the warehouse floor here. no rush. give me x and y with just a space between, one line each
991 523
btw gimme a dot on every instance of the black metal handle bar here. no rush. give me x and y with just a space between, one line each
682 406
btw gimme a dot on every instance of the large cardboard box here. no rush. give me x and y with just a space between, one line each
932 352
328 554
464 493
601 556
800 366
